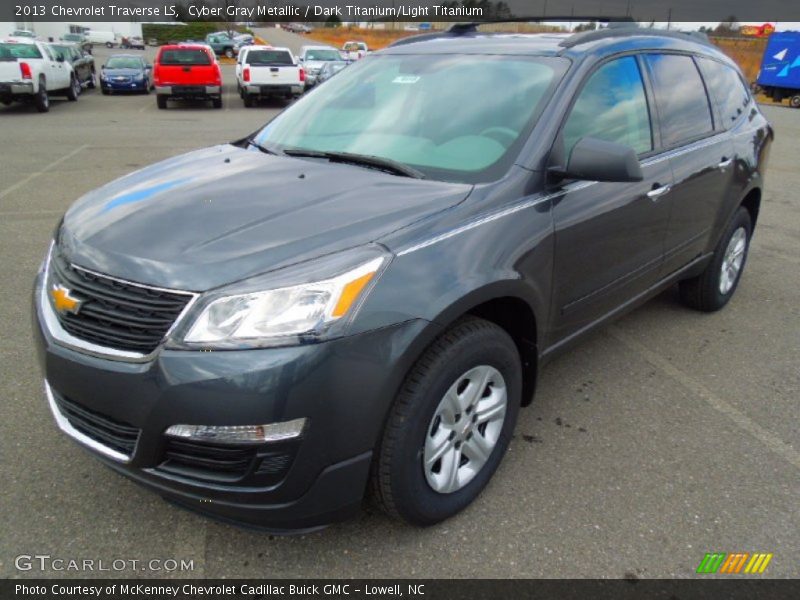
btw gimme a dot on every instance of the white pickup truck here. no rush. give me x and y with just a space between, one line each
265 71
30 71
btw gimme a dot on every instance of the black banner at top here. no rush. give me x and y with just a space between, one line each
21 11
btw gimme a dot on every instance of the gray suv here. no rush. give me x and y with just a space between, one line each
359 296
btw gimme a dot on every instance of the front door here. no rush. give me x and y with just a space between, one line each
608 236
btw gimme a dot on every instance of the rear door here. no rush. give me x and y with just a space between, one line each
699 151
608 236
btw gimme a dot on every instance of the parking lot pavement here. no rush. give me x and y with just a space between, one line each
662 437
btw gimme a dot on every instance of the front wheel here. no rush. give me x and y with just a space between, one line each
228 52
450 424
161 101
714 287
216 102
794 101
92 81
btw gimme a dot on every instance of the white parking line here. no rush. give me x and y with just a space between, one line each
769 439
36 174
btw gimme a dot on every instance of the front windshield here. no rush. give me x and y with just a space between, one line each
122 62
323 54
452 117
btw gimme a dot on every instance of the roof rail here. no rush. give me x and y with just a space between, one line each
459 29
619 31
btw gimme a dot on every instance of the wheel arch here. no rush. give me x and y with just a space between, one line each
511 307
752 202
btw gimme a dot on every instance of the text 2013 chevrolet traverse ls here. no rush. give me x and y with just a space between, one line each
362 291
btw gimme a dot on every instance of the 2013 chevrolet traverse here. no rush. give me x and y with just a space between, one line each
361 293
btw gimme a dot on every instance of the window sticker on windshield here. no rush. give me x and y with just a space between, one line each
406 79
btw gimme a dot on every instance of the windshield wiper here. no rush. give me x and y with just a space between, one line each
263 149
364 160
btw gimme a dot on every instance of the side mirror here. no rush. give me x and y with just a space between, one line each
592 159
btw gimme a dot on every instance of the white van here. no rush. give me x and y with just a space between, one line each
109 38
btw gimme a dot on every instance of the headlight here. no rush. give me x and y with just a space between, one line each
264 312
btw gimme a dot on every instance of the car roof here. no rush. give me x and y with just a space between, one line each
318 47
126 56
576 46
185 46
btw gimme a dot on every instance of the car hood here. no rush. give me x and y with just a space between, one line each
221 214
123 72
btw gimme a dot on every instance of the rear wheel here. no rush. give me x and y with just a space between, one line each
41 100
74 89
450 424
714 287
216 102
248 100
794 101
109 45
161 101
229 52
92 81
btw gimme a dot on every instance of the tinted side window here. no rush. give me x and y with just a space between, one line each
727 88
612 106
683 106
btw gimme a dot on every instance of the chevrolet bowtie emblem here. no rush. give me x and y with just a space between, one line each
64 301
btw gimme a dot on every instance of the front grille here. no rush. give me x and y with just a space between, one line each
114 434
114 313
225 462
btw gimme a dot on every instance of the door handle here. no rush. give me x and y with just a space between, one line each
658 191
725 163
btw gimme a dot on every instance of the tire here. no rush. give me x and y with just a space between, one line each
105 91
74 89
713 288
216 102
41 100
228 52
92 81
404 487
794 101
109 45
161 101
248 100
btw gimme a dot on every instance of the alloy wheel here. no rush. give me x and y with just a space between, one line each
732 261
464 429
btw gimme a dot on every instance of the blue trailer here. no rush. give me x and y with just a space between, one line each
779 76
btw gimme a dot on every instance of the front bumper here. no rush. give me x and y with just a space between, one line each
125 86
342 387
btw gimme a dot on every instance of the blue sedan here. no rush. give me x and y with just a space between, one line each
126 73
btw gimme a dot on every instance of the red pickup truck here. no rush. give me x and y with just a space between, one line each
187 72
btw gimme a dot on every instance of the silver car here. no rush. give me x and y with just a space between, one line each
313 58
